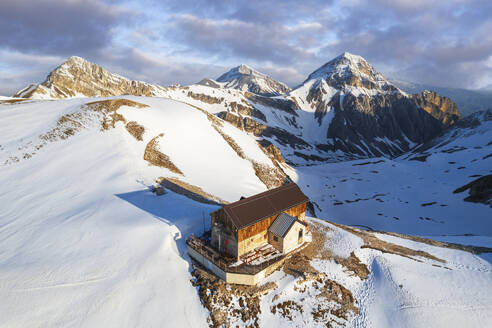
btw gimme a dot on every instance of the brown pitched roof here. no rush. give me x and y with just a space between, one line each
248 211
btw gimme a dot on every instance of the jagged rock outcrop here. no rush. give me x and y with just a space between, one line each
234 119
480 190
77 77
273 151
379 125
247 110
441 108
205 98
245 78
285 104
243 123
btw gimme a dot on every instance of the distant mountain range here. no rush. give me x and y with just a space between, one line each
344 109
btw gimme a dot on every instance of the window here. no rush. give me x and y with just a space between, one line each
300 233
275 238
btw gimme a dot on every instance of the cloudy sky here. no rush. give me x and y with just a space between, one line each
443 43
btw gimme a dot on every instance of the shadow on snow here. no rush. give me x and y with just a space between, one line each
188 216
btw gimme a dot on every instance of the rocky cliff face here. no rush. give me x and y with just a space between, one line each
441 108
386 124
369 115
247 79
77 77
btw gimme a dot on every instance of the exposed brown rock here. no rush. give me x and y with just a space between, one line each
135 129
66 126
272 151
212 118
109 109
193 192
287 309
155 157
247 124
234 119
371 241
271 177
217 298
247 110
286 105
240 109
205 98
112 105
366 121
441 108
11 101
253 126
436 243
334 299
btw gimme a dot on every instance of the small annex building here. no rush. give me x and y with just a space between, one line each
286 233
276 217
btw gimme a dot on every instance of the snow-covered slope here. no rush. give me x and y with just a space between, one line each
191 139
400 291
413 193
84 241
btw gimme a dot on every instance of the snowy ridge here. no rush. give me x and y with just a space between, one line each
188 137
245 78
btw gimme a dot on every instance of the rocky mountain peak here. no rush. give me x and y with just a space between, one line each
239 71
245 69
367 112
75 61
77 77
245 78
349 70
80 68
